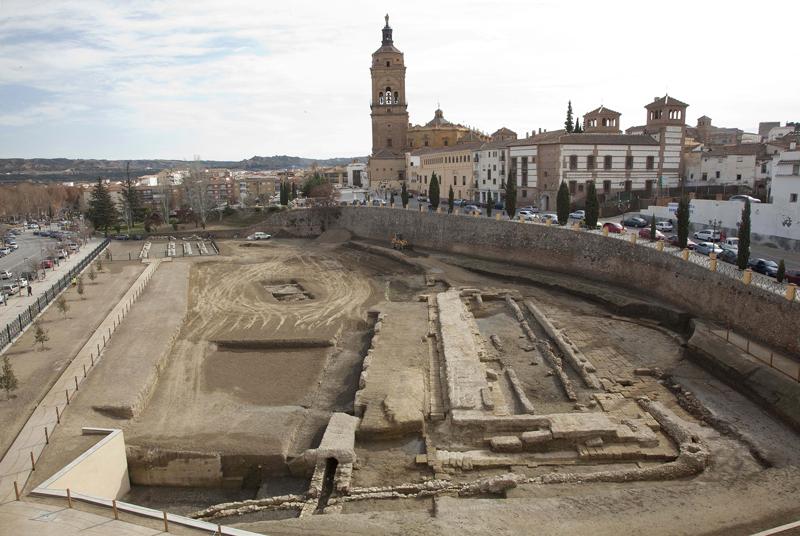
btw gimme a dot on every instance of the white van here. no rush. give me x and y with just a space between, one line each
258 235
730 243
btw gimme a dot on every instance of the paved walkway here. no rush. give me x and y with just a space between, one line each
18 303
45 520
16 464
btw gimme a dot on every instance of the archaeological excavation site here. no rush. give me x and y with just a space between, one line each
499 378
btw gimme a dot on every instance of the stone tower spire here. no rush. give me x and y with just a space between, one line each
387 32
388 102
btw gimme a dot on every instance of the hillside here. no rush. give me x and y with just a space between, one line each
14 169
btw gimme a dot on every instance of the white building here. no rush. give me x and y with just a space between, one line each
730 165
785 181
357 175
490 169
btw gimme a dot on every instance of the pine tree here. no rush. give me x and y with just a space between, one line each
683 222
40 335
578 128
404 195
450 200
489 204
511 193
592 206
568 125
433 191
744 238
562 203
781 271
102 211
8 380
653 228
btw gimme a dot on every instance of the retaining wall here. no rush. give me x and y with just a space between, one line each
749 310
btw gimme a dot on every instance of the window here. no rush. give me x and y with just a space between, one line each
628 162
738 176
388 64
650 162
763 168
524 193
494 167
380 97
573 162
445 142
606 187
717 174
455 180
524 171
793 198
396 97
388 95
648 188
388 142
705 176
796 169
464 180
590 162
607 162
573 186
580 187
628 186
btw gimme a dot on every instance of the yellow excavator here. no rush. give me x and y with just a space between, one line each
398 242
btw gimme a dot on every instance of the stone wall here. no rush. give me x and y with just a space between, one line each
749 310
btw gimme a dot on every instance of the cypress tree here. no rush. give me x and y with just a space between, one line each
683 222
653 228
744 238
294 190
578 128
433 191
404 195
511 193
568 125
450 200
562 203
391 199
489 204
781 271
592 206
102 211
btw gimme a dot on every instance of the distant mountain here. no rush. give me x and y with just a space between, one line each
14 169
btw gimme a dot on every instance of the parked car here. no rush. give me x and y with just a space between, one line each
5 250
47 263
258 235
792 276
707 235
9 288
635 221
763 266
525 212
61 254
458 202
531 209
613 227
5 274
730 243
664 226
115 237
422 198
730 256
552 218
645 233
530 217
22 282
378 202
707 248
744 198
577 215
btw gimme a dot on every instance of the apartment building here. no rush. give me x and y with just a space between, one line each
452 165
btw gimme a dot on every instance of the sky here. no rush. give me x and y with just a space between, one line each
229 79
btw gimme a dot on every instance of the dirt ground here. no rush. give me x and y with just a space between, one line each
274 393
37 369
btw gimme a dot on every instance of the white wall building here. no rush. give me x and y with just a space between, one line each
357 175
490 169
785 181
733 165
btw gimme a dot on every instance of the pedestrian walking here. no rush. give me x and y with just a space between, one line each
3 299
30 291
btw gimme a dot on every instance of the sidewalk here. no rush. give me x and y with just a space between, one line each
19 303
31 440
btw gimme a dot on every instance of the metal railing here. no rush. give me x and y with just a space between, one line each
785 365
15 327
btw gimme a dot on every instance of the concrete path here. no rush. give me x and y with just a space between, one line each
17 463
46 520
20 302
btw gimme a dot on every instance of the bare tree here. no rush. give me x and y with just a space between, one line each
196 188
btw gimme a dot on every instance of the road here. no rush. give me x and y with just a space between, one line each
31 247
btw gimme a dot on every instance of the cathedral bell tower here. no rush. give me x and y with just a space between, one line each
389 110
